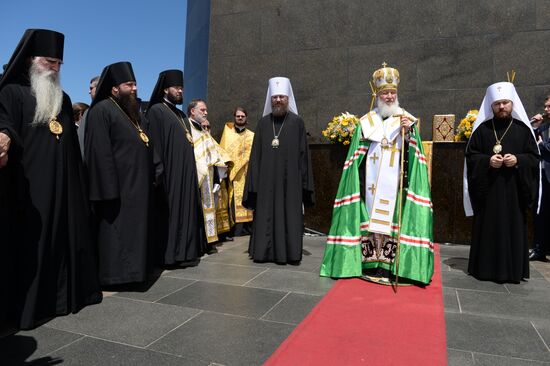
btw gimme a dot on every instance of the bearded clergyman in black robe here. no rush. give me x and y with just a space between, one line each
180 232
47 256
502 170
119 158
279 180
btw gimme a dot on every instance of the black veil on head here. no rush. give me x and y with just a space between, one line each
35 42
113 75
167 78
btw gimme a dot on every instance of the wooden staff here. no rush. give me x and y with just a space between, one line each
401 173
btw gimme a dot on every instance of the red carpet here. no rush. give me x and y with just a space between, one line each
361 323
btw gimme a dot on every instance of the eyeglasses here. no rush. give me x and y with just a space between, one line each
240 116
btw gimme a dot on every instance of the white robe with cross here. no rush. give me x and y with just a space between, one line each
382 168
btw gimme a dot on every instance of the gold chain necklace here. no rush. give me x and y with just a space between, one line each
182 123
498 147
142 134
275 142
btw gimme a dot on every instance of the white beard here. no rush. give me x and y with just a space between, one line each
386 110
47 90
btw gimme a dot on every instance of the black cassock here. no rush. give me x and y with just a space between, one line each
500 199
179 224
121 174
278 181
47 254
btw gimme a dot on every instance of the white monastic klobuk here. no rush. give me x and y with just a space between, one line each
279 86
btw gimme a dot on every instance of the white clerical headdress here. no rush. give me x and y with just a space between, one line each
280 86
496 92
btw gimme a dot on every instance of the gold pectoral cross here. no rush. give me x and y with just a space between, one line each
372 189
393 149
374 157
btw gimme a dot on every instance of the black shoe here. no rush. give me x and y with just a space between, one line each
534 256
229 238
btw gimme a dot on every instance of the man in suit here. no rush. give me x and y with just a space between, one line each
540 246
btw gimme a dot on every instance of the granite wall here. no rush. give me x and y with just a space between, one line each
447 51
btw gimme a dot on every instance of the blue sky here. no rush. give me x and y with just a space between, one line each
149 34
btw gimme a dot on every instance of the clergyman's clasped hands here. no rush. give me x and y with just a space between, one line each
508 160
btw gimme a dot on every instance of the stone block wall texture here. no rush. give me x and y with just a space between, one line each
447 52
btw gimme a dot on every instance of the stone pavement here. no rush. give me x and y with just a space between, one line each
231 311
495 324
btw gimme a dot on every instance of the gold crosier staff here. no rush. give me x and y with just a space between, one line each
401 173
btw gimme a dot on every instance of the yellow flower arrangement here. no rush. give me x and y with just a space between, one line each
341 128
464 129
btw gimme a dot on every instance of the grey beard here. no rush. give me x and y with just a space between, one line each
386 110
199 118
47 90
279 111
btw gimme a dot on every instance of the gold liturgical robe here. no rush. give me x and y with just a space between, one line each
238 145
224 221
208 158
